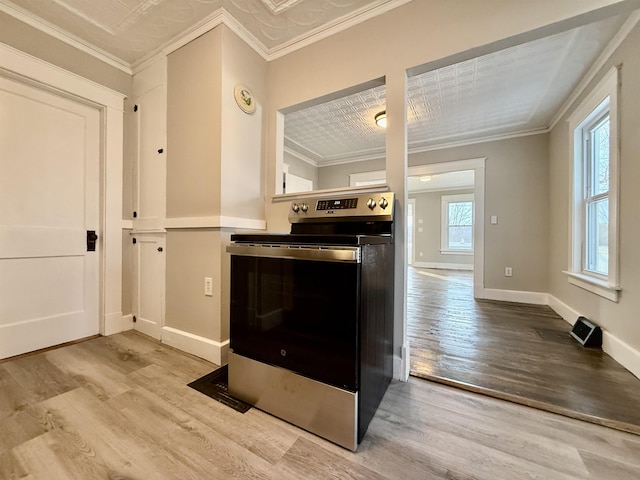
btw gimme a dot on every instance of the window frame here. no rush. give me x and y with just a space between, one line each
602 100
444 223
590 198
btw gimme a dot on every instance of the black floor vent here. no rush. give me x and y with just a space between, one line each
216 386
588 334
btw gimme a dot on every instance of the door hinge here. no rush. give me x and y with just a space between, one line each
135 214
134 319
134 241
135 108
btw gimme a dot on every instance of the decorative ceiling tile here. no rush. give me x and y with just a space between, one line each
341 127
129 30
278 6
509 92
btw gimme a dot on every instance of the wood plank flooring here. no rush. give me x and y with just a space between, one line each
518 352
118 408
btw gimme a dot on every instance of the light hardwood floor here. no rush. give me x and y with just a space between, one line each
118 408
522 353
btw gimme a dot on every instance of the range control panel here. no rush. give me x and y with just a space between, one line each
337 204
378 206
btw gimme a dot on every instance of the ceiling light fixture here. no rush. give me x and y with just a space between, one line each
381 119
425 178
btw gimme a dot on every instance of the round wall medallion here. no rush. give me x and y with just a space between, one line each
244 98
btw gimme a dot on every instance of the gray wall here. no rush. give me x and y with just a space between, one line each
337 176
302 169
517 191
428 209
620 319
34 42
210 174
194 118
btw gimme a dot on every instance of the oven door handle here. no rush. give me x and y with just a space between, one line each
295 252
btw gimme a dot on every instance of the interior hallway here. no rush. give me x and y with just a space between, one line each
517 352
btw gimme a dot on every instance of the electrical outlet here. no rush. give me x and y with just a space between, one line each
420 253
208 286
508 272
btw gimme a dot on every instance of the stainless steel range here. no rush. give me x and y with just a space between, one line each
312 315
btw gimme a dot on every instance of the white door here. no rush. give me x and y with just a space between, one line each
149 284
49 198
151 169
150 197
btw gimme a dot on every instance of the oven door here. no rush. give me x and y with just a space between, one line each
297 308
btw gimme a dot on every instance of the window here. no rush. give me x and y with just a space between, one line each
594 227
457 223
596 197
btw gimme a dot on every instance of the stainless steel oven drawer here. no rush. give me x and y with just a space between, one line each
327 411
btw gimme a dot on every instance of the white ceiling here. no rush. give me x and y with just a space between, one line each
511 92
132 30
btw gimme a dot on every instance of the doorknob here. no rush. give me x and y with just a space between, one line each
92 237
159 249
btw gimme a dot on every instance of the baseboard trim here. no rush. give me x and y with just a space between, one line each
517 296
564 310
147 327
215 352
444 266
116 323
397 369
620 351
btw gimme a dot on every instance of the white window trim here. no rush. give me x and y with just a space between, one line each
604 96
446 199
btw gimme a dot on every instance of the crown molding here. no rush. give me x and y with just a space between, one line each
301 157
600 62
338 25
357 158
476 140
411 150
219 17
64 36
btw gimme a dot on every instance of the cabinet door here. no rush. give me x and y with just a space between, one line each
149 266
151 170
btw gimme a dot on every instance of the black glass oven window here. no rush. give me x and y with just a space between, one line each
297 314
